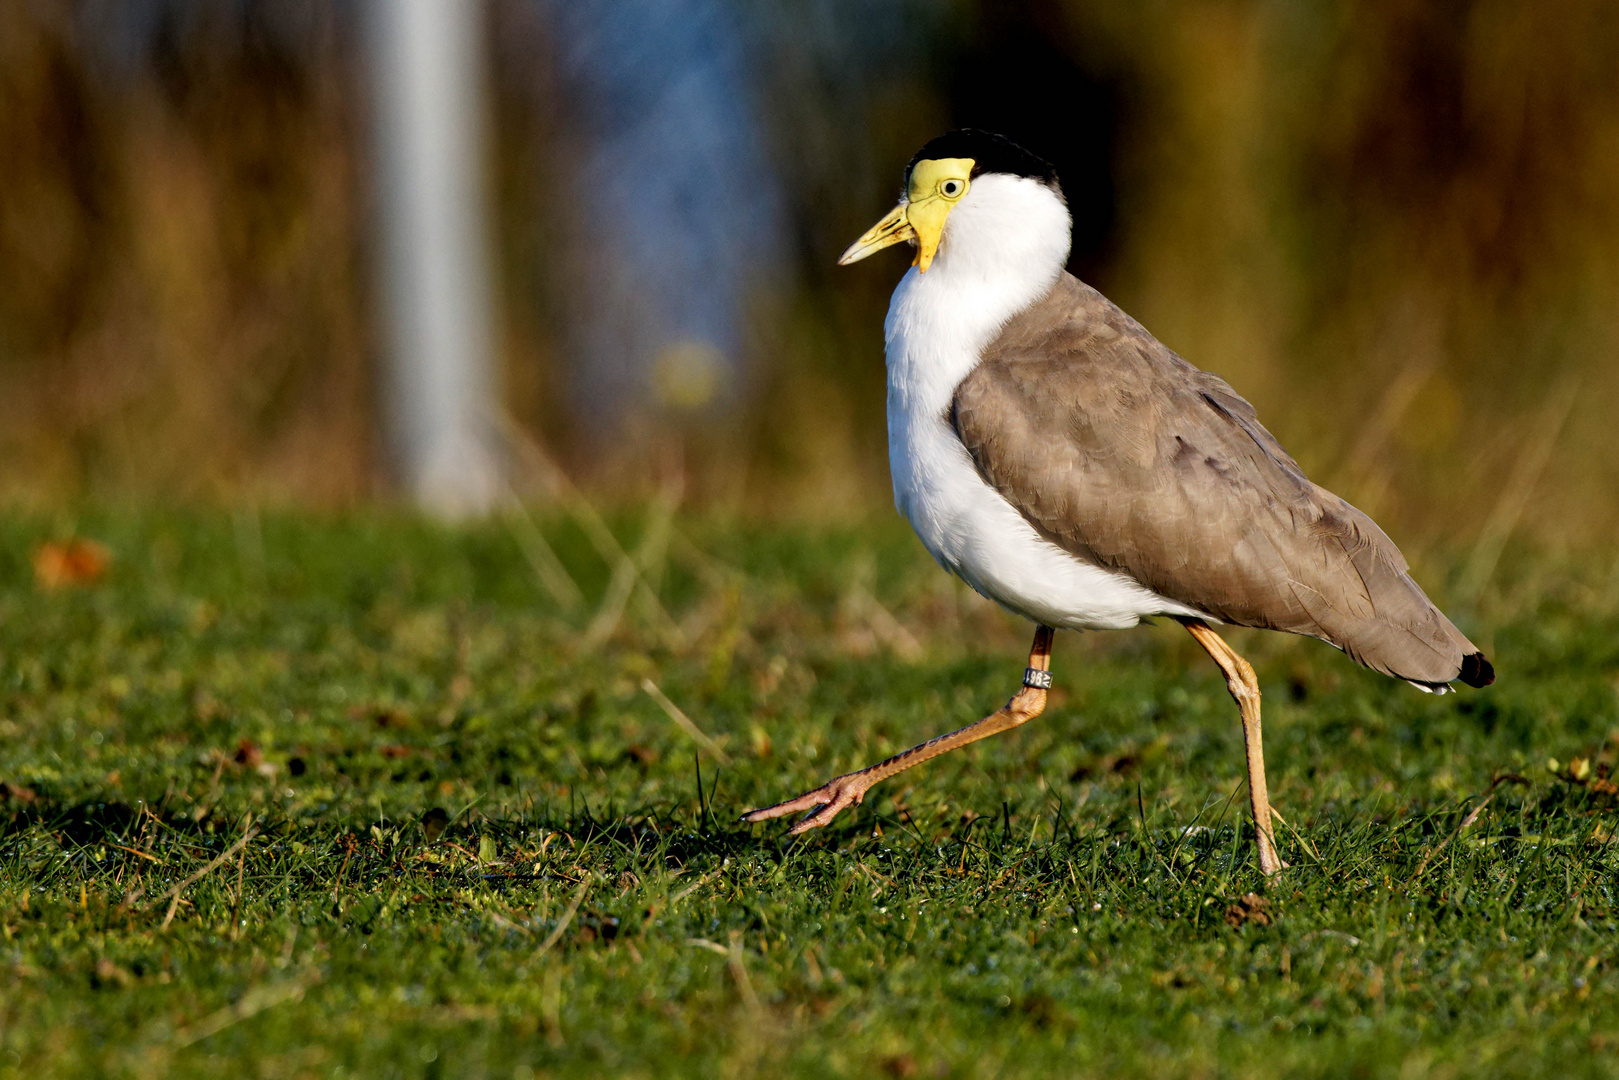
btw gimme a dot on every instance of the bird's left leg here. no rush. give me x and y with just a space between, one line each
850 789
1244 687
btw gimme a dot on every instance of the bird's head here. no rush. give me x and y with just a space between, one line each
970 175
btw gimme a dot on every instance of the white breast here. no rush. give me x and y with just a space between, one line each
1003 247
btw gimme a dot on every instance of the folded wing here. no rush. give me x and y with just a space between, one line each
1127 456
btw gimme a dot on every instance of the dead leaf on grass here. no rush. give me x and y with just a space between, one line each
110 974
16 792
900 1065
70 562
1250 908
434 823
381 715
1127 760
249 756
1582 772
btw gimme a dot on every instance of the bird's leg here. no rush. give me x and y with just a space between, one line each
1244 687
850 789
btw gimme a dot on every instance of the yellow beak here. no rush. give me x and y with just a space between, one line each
891 230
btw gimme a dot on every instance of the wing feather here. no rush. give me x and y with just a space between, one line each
1130 458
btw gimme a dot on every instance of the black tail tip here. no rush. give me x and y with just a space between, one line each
1476 671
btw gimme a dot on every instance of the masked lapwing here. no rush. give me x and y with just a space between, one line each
1055 456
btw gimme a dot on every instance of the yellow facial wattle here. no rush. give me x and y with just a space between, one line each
936 185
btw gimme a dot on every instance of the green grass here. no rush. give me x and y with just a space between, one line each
432 764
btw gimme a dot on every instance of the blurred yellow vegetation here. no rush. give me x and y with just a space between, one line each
1391 225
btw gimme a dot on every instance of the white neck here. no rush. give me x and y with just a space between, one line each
1003 246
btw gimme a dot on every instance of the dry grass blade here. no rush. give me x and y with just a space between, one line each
862 606
251 1004
1414 336
136 851
590 522
885 627
1303 842
236 904
567 919
717 575
543 558
506 924
632 570
693 887
684 722
739 972
173 895
1472 816
1520 488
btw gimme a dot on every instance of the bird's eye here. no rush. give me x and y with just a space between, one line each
951 188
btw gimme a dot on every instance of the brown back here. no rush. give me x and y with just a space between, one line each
1127 456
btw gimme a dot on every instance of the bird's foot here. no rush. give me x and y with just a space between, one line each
832 797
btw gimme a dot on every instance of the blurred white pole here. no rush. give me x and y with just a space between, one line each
439 377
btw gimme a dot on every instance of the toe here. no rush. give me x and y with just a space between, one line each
821 817
807 801
840 800
814 821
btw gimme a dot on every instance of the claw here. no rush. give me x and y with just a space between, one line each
824 804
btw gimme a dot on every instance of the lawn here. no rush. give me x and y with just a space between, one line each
361 795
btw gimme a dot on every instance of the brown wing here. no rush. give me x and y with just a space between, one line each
1128 457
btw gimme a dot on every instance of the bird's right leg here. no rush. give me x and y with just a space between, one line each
1244 687
850 789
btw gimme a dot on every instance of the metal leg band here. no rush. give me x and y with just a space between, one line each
1039 680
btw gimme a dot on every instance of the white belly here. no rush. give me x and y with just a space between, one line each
977 535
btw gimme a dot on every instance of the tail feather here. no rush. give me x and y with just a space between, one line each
1403 633
1477 671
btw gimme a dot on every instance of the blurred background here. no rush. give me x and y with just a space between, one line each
1393 225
